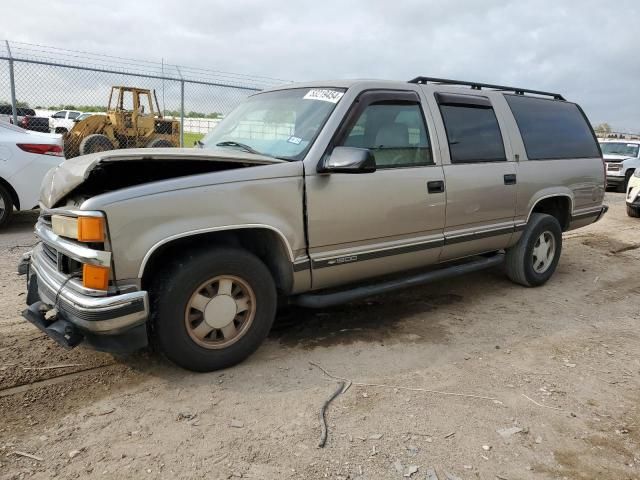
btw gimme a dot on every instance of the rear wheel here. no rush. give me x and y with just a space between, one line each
212 309
633 211
160 143
6 206
95 143
532 261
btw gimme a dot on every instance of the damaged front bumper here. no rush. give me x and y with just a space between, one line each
60 308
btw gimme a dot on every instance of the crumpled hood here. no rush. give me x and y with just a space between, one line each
61 180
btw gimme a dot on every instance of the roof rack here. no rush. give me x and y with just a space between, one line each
479 86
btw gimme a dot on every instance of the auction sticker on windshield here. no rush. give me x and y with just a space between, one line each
324 94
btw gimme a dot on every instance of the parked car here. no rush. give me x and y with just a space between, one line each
633 195
310 194
25 157
63 121
622 158
6 113
37 124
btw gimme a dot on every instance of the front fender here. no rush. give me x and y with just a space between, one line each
138 226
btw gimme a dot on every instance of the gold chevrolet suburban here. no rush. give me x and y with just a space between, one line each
311 194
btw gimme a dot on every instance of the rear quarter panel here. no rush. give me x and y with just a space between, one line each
580 179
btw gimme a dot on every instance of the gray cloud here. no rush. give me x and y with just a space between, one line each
584 49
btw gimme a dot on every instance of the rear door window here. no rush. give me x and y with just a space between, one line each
552 129
472 128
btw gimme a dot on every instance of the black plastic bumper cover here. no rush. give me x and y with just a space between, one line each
69 336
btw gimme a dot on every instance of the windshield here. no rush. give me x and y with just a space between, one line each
281 124
620 148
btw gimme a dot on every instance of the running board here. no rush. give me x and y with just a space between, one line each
323 300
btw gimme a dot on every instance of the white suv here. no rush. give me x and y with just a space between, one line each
62 121
622 158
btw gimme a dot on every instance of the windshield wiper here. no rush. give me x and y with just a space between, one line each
243 146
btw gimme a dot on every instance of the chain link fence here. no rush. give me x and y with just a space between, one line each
156 104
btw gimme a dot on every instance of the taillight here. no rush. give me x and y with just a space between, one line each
42 149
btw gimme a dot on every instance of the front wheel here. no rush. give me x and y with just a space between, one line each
532 261
212 309
95 143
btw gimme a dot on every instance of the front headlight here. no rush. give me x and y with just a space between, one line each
83 229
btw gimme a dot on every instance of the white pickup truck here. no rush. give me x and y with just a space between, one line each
62 121
622 158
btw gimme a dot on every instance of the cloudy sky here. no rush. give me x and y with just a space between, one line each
587 50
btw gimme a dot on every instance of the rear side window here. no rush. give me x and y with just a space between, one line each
552 129
472 129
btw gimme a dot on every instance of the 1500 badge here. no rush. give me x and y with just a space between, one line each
337 261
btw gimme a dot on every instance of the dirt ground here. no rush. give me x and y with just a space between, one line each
552 378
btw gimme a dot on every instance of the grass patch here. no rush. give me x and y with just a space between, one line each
190 138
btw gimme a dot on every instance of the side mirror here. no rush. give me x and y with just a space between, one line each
349 160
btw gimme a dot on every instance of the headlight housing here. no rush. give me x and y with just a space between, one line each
83 229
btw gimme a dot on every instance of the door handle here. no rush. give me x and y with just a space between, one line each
510 179
437 186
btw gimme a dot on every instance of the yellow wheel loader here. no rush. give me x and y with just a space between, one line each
131 121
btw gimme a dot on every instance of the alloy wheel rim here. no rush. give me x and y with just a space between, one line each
544 251
220 311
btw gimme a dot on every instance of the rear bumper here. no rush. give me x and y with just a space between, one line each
107 323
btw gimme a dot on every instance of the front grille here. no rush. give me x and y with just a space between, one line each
51 253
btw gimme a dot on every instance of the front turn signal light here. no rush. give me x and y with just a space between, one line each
90 229
95 277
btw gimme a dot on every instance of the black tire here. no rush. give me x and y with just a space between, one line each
160 143
633 211
6 206
173 290
519 261
95 143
